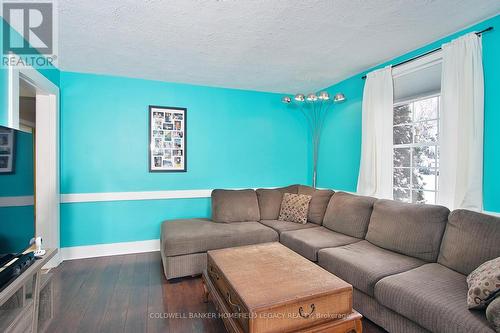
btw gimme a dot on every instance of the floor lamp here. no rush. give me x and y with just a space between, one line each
314 107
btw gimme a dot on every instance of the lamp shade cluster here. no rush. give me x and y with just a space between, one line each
322 96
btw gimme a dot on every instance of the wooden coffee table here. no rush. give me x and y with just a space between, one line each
269 288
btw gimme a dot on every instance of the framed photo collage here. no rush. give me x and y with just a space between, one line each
167 139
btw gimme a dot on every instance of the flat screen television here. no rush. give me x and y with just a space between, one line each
17 188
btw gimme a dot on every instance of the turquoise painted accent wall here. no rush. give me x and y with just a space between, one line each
17 228
17 224
341 141
123 221
235 139
20 182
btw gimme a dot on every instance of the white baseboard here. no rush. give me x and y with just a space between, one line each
113 249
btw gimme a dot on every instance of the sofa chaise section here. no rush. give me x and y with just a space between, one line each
184 243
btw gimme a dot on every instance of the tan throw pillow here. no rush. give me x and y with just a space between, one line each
294 208
484 284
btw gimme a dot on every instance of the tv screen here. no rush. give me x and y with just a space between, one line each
17 207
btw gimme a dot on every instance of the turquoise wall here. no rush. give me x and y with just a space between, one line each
17 224
235 139
91 223
20 182
341 141
15 235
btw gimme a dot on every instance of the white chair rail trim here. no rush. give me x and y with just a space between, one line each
17 201
142 195
128 196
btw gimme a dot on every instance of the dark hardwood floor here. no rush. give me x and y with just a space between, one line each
129 293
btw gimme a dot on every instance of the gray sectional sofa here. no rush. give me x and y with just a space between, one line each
407 262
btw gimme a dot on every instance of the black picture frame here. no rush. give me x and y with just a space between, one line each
153 137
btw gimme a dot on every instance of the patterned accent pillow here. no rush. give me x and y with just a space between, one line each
484 284
294 208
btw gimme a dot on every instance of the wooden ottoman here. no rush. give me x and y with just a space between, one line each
269 288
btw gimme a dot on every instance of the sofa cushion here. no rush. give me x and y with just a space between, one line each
363 264
318 204
412 229
470 239
382 316
493 314
188 236
282 226
349 214
294 208
235 206
432 296
294 189
307 242
270 201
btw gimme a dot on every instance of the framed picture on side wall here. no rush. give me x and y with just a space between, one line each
7 150
167 139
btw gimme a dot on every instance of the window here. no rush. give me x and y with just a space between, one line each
416 150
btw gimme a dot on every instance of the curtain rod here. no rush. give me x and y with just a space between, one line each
479 33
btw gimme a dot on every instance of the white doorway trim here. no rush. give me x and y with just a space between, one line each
47 152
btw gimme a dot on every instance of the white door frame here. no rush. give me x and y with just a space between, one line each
47 152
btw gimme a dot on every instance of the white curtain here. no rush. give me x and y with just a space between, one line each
375 172
461 125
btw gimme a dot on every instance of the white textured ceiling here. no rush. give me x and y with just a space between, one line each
266 45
